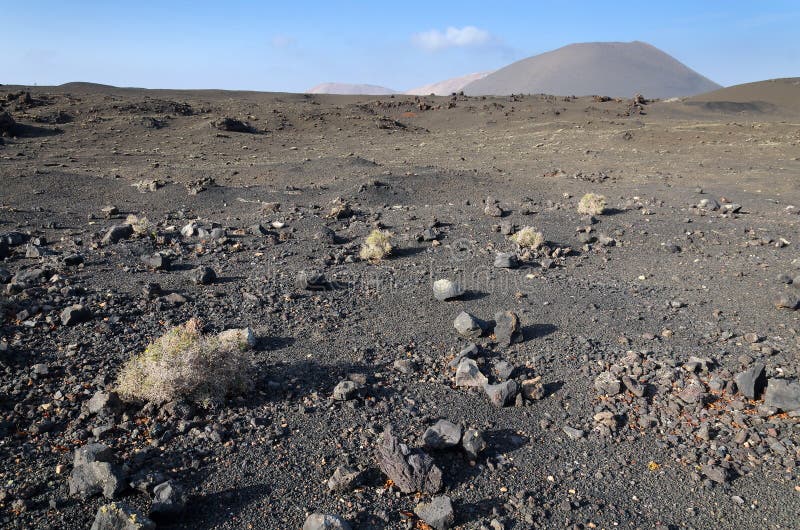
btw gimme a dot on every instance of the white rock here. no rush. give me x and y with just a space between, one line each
242 337
445 290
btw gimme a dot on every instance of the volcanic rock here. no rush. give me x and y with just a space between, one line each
469 326
411 471
441 435
438 513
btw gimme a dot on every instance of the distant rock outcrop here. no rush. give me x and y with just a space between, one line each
617 69
448 86
350 89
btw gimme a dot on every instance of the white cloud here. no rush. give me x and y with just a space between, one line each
434 39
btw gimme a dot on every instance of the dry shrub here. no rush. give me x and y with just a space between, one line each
140 225
592 204
185 364
528 237
377 246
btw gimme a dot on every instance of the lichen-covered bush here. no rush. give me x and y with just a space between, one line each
185 364
528 238
592 204
377 246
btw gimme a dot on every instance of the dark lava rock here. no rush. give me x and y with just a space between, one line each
344 478
117 233
345 390
634 386
73 260
783 394
468 374
441 435
92 453
473 443
75 314
169 500
573 433
320 521
692 393
506 260
203 275
501 394
607 384
104 403
410 471
469 326
311 281
120 516
4 250
15 239
326 235
718 474
7 123
233 125
506 328
438 513
94 478
752 381
533 389
157 261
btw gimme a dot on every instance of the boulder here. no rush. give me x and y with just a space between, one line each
441 435
507 329
411 471
501 394
117 233
468 374
783 394
438 513
169 500
752 381
74 314
469 326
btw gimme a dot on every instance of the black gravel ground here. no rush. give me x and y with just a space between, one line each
641 289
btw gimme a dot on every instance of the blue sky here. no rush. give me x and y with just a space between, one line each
291 46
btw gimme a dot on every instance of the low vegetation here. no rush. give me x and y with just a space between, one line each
592 204
528 238
140 225
377 246
185 364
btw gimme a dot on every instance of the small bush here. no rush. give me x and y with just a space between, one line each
377 246
592 204
529 238
185 364
140 225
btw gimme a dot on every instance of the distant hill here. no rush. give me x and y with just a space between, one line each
349 88
774 95
448 86
617 69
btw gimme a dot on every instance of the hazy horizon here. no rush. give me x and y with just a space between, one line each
204 45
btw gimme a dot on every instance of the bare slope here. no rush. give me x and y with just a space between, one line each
350 88
618 69
774 95
448 86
